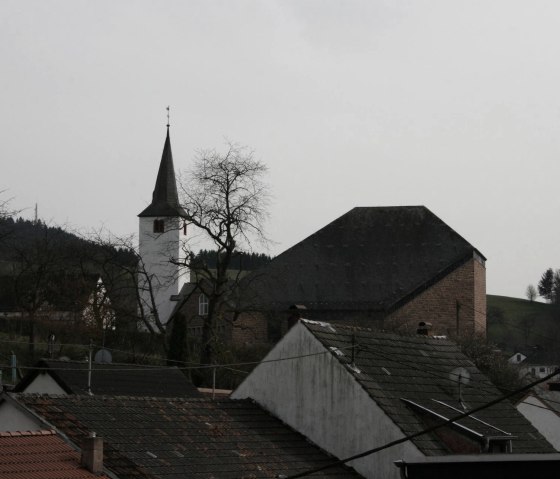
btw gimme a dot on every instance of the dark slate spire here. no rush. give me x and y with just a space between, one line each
165 201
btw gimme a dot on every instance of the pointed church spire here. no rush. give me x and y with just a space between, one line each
165 201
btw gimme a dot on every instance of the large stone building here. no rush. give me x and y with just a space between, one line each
385 267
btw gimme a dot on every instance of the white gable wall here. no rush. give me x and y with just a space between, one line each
44 384
14 418
318 397
156 250
546 421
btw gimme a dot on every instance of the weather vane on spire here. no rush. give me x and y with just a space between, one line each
167 116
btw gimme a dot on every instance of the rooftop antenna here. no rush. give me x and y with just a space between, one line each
353 345
462 376
168 107
36 214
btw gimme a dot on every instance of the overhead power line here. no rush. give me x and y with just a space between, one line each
425 431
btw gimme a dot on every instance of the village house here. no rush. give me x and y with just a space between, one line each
50 376
352 389
541 406
155 438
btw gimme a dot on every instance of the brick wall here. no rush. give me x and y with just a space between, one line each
456 303
250 328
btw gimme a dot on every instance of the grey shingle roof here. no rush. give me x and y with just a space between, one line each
114 379
195 438
399 370
165 201
369 258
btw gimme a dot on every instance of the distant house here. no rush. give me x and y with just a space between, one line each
351 389
534 362
156 438
44 454
71 377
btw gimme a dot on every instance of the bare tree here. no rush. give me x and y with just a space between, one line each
44 280
125 280
5 210
226 198
531 293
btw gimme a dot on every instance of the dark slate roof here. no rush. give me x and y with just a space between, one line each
40 455
369 258
397 371
538 356
114 379
165 201
195 438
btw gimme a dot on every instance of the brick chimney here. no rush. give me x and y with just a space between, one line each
92 453
296 312
423 328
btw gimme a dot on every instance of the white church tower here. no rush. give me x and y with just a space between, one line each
163 228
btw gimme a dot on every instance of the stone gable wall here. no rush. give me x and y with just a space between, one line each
465 286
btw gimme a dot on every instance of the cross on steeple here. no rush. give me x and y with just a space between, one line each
167 116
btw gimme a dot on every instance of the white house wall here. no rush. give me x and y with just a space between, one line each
44 384
317 396
546 421
13 418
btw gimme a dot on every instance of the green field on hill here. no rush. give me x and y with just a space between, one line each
516 324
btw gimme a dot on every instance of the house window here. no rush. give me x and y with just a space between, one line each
519 358
159 226
542 370
184 228
203 305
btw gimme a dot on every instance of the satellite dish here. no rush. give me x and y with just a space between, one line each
103 356
460 375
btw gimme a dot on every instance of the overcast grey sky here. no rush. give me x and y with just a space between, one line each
450 104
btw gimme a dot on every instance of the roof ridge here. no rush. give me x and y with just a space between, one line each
80 397
338 326
42 432
77 361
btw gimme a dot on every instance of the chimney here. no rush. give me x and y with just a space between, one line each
92 453
423 328
295 314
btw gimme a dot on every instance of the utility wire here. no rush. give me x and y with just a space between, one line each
480 384
185 368
425 431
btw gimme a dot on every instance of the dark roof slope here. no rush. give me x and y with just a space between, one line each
114 379
369 258
195 438
39 454
404 374
165 201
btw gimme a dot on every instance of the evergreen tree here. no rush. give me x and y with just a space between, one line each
546 285
556 287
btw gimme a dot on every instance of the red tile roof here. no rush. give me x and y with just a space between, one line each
39 455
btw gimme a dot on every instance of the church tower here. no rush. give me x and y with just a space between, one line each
162 231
